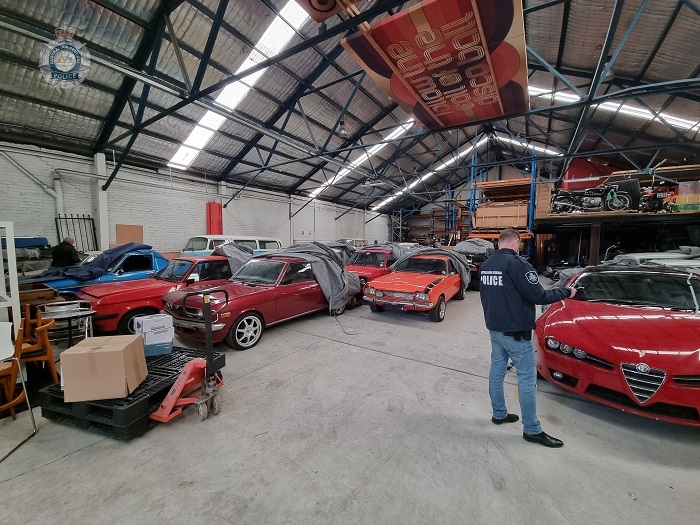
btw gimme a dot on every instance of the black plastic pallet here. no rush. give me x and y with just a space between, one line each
122 433
179 357
118 412
127 417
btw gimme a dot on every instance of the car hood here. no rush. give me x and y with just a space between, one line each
196 301
142 286
368 272
627 334
409 282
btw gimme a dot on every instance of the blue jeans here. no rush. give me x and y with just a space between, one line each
523 355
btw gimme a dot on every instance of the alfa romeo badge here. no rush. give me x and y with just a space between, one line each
64 62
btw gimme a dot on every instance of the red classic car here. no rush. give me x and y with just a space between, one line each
117 304
423 283
370 263
629 339
265 291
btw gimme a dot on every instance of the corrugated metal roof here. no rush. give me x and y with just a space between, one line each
570 36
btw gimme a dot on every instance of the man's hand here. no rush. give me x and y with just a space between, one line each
572 290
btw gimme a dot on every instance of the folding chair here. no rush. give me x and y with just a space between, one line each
41 349
9 369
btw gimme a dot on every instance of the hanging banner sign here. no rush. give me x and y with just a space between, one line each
64 62
449 63
320 10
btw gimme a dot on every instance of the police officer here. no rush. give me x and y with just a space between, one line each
510 289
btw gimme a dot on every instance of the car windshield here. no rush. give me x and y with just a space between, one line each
196 244
174 271
259 271
368 259
639 289
422 265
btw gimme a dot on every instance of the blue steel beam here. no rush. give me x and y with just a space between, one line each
142 106
209 46
291 51
605 62
284 108
150 39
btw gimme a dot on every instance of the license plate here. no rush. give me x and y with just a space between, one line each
661 195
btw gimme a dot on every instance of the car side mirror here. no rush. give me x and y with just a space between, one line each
190 281
120 271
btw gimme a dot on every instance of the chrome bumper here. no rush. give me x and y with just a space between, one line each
197 325
396 302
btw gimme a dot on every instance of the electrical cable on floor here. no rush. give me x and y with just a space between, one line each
343 328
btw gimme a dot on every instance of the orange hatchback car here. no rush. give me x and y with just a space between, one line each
423 283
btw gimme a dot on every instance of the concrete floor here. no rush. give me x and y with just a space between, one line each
373 418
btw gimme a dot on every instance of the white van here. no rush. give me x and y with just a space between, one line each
355 243
205 244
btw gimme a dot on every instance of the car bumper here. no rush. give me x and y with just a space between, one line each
400 303
196 325
671 402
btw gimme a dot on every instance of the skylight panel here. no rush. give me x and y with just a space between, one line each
359 161
426 176
275 39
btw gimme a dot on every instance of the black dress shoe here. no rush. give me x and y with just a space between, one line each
544 440
510 418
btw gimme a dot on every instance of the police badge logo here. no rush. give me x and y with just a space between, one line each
64 62
532 277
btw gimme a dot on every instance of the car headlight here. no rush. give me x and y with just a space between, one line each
369 291
363 281
552 343
379 293
580 353
567 349
422 296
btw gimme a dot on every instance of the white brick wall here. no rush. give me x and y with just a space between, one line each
170 211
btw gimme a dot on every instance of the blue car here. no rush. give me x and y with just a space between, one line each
124 263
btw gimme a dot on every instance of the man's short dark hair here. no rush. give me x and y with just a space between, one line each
508 235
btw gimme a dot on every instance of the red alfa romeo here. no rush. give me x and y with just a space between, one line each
629 339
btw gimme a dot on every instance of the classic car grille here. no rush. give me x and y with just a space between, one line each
687 381
659 409
399 295
643 384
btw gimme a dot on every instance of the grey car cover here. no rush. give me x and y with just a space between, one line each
337 285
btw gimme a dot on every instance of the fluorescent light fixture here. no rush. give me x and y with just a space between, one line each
529 146
359 161
429 174
619 107
275 39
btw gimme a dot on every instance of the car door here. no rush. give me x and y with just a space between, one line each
298 291
132 266
453 279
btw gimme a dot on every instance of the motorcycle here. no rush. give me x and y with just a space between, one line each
605 197
657 198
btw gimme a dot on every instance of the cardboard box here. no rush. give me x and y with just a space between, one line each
498 215
158 342
103 368
152 323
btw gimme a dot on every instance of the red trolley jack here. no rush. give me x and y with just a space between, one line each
198 374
